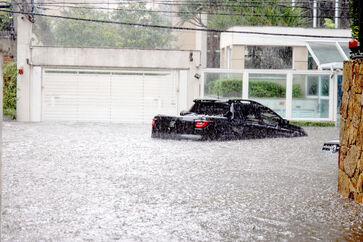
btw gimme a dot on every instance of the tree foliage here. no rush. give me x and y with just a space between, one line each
353 9
328 23
260 12
10 74
87 33
5 19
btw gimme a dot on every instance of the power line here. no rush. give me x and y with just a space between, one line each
214 4
185 12
170 27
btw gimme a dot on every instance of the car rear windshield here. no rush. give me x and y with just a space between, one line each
210 108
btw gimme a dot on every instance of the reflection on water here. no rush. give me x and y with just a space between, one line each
66 181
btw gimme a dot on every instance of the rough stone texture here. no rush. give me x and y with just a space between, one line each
360 184
350 175
360 165
351 161
343 183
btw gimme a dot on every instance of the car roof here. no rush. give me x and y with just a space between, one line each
229 101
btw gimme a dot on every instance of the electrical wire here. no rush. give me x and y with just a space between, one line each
192 3
168 27
57 4
183 12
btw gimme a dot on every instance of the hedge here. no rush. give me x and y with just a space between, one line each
313 123
231 87
10 75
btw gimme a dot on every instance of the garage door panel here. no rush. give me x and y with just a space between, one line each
126 98
160 96
110 97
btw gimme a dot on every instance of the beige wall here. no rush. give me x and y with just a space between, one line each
238 57
223 58
186 40
300 58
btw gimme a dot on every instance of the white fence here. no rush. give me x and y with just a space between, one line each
294 94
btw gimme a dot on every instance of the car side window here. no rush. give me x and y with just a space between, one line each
253 116
247 112
269 117
237 111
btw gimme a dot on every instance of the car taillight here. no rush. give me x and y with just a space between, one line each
153 123
201 123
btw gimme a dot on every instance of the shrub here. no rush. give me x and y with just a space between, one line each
231 87
296 91
313 123
266 89
10 74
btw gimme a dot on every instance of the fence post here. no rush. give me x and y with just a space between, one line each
332 91
289 77
245 85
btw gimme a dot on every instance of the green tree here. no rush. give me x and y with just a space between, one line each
354 13
142 37
64 32
9 89
5 19
328 23
84 33
260 12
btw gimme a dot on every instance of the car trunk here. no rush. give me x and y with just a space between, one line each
178 125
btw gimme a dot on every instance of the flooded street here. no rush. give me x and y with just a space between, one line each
102 182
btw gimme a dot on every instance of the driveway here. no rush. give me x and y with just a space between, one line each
102 182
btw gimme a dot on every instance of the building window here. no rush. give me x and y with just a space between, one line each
268 57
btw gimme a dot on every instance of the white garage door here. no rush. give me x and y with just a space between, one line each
108 96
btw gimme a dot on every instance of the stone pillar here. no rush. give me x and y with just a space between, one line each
350 173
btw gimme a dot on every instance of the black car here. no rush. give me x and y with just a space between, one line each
224 120
332 146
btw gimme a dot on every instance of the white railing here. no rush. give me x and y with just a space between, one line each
317 106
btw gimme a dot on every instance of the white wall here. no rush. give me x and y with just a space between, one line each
246 38
186 63
114 58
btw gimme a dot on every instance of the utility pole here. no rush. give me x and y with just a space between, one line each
315 13
336 14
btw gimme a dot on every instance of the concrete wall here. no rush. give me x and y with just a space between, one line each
117 58
350 174
24 34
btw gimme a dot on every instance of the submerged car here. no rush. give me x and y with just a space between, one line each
332 146
224 120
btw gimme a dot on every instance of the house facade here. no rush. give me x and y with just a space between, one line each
316 50
102 84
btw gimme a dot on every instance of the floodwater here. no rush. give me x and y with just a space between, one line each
104 182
